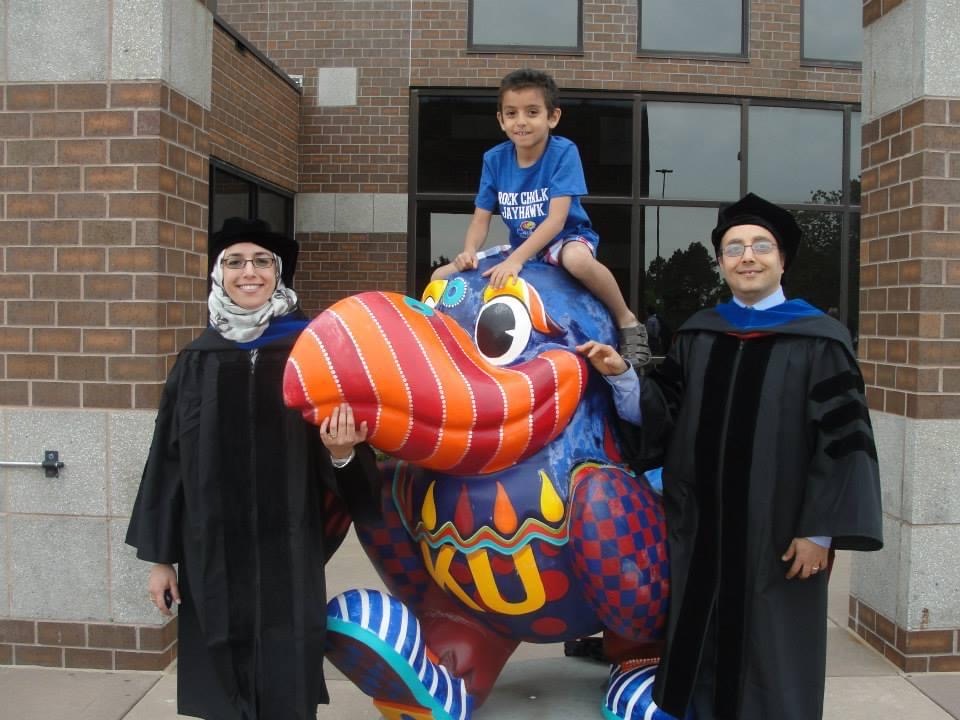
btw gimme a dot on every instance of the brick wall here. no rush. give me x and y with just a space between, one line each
254 120
102 238
92 646
334 265
913 651
910 260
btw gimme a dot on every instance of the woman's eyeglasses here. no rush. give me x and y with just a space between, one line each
238 262
760 247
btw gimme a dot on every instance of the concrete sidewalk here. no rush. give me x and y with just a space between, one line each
537 684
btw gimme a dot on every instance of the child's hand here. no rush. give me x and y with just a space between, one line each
467 260
500 273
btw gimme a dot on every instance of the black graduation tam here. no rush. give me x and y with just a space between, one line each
754 210
237 230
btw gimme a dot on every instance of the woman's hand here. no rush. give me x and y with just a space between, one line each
340 433
163 580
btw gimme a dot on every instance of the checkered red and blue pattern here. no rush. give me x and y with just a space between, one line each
620 550
390 547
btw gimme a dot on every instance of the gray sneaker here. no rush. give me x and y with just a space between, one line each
634 346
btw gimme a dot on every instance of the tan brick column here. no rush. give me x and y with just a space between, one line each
905 599
104 179
104 241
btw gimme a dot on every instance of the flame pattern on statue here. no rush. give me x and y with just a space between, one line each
509 515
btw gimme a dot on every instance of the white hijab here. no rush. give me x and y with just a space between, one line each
237 323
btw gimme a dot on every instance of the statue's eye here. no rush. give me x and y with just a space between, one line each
454 293
424 308
503 330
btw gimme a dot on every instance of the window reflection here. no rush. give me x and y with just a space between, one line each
853 279
273 208
855 150
693 26
454 133
693 150
231 198
815 275
795 154
833 30
525 23
612 223
688 154
447 231
603 132
684 278
246 197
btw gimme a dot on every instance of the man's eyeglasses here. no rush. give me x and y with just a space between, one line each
238 262
760 247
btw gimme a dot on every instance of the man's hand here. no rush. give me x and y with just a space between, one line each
500 273
808 558
604 358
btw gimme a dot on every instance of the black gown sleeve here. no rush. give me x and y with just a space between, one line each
842 497
661 393
154 528
359 483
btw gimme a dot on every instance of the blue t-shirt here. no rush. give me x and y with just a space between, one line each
522 195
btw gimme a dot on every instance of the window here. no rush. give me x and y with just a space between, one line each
234 193
680 271
832 31
669 130
694 27
795 154
525 25
658 167
816 274
855 150
612 223
454 132
603 131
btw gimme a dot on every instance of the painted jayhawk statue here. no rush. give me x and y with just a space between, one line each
509 514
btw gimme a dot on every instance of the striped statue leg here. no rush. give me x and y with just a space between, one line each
375 641
629 694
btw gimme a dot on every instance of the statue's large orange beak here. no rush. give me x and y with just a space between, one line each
426 393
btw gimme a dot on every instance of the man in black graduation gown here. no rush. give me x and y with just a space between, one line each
759 418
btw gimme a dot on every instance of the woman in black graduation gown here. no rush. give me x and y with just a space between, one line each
247 499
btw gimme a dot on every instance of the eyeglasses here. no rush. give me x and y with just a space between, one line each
760 247
238 262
